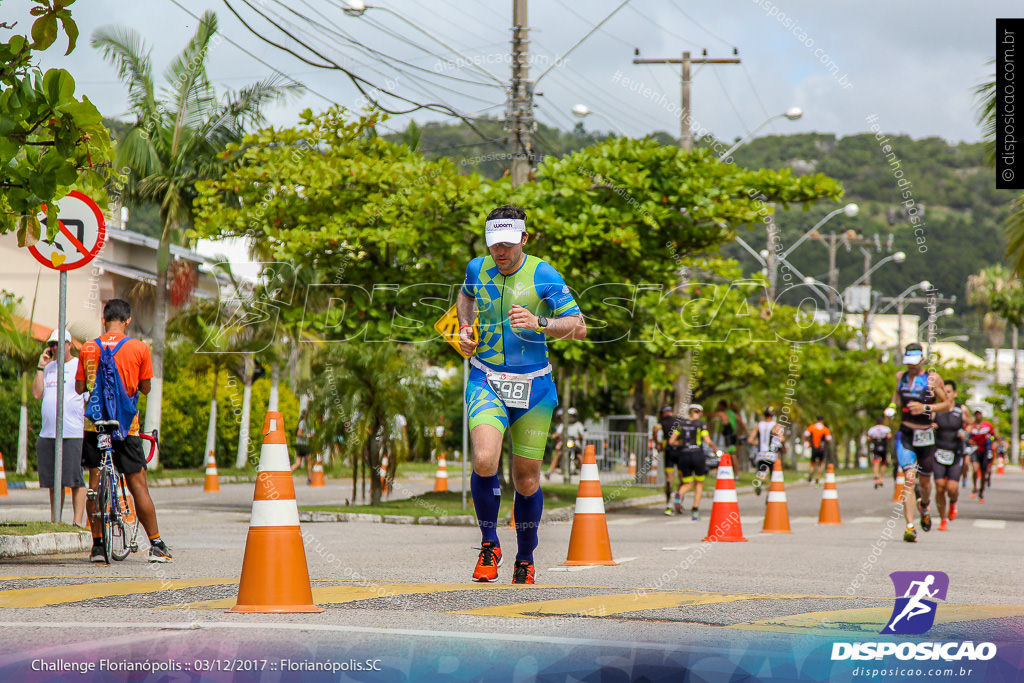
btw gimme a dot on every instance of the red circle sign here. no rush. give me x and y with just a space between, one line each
79 238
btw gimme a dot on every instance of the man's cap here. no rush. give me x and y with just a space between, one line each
978 411
499 230
666 408
913 354
53 336
769 411
696 407
573 411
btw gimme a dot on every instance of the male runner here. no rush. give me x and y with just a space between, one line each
949 455
510 385
688 435
816 437
879 437
663 429
921 394
981 433
767 438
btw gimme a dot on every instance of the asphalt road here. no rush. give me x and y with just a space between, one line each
401 594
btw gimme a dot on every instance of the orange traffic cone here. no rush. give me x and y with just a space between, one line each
384 473
1000 466
725 511
441 478
316 479
652 476
829 513
588 542
901 481
3 478
212 484
275 577
776 514
632 464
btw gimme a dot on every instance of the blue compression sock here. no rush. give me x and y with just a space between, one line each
486 499
527 511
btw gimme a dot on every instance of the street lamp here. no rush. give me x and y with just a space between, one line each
583 111
850 210
793 113
898 257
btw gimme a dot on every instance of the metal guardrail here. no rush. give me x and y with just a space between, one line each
613 450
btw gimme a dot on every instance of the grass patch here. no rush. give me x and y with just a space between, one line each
450 503
32 528
199 473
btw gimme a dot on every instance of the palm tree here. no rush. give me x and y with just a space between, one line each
18 344
982 288
177 139
362 387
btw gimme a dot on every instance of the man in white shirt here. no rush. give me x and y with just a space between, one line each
44 386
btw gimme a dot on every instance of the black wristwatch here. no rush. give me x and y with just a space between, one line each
542 322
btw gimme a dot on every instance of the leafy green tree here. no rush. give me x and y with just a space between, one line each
983 290
175 142
50 140
22 350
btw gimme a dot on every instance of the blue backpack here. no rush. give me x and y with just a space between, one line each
109 400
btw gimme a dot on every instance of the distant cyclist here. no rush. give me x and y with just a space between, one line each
949 456
768 439
817 437
521 301
981 433
920 394
879 438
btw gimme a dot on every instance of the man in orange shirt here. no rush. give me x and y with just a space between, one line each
135 365
815 437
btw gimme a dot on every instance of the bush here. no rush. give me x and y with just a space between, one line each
10 414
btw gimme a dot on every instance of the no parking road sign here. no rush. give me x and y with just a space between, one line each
79 238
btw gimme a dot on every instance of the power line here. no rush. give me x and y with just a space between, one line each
661 27
581 40
753 89
701 26
728 98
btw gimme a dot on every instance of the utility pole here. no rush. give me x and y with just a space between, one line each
685 135
770 260
520 98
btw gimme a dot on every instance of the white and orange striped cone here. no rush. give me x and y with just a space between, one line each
901 481
3 478
725 510
588 542
212 484
829 513
384 473
652 476
441 478
1000 466
67 491
316 477
776 513
275 577
632 464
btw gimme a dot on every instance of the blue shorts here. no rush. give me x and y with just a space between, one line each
912 457
530 426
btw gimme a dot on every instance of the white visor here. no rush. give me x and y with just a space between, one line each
504 230
913 357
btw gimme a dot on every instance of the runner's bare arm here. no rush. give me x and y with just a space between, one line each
465 307
943 401
566 327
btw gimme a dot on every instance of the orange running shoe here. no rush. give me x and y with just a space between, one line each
952 511
523 572
487 566
943 525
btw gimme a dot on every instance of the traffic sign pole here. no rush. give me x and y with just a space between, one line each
57 509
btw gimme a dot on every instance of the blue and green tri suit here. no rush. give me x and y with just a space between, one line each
537 287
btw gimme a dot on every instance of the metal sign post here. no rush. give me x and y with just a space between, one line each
448 327
78 240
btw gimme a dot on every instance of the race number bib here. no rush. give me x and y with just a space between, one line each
944 457
513 390
924 437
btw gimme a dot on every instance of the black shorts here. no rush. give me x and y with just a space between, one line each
128 456
728 440
951 472
880 455
692 465
673 455
301 450
817 454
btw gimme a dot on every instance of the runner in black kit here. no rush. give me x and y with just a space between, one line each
879 438
921 394
688 435
949 456
666 424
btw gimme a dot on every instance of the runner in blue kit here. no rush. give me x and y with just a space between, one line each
521 300
921 394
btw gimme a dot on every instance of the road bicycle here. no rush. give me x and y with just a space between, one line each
113 503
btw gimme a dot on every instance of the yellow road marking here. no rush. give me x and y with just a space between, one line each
55 595
335 595
873 619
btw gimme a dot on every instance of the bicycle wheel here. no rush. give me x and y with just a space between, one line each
102 501
120 543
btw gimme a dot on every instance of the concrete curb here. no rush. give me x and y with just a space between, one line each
45 544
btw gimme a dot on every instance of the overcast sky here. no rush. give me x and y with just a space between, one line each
912 63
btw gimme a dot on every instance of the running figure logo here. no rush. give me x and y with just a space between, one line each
914 612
